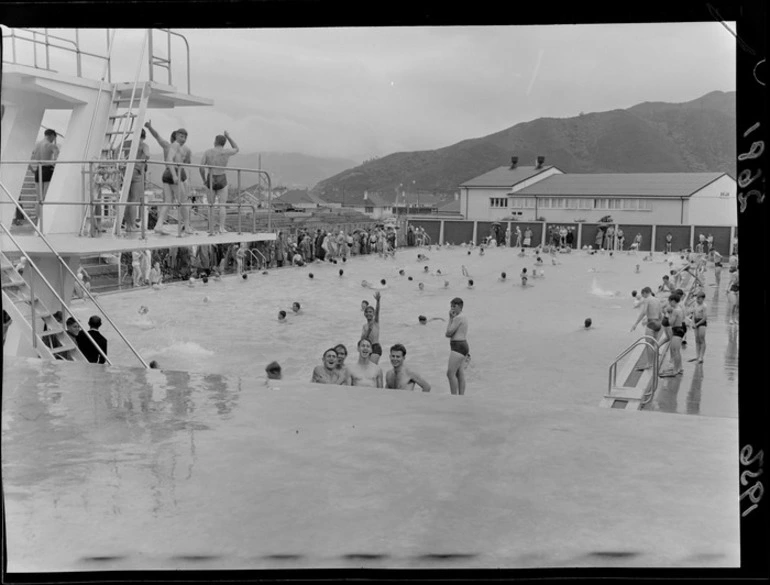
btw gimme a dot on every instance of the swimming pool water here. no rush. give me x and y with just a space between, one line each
526 343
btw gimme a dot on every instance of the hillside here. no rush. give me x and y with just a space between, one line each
650 137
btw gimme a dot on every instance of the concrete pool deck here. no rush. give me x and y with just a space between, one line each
109 468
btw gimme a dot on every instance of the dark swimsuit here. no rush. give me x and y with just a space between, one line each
678 331
168 178
217 182
46 171
460 346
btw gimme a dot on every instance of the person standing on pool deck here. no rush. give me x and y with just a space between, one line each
699 324
457 332
676 321
217 159
371 329
401 377
175 176
364 372
649 308
168 193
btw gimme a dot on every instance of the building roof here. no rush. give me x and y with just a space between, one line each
622 184
505 176
372 200
298 196
451 207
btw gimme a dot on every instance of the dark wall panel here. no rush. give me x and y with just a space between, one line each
431 227
457 232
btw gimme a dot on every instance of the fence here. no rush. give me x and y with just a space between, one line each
653 237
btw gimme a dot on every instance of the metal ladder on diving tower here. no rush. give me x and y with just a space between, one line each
112 181
52 341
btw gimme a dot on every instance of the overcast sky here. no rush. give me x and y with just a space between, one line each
359 92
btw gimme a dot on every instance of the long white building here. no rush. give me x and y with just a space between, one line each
530 193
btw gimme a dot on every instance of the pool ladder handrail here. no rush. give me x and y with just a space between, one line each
66 267
651 343
254 252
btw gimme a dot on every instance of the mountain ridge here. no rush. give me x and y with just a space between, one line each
693 136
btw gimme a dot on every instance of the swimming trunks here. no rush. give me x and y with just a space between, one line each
678 331
734 288
46 171
169 179
717 265
460 346
703 324
376 349
665 323
654 325
217 182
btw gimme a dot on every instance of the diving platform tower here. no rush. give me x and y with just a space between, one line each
82 211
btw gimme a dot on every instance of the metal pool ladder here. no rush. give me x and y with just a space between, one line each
638 396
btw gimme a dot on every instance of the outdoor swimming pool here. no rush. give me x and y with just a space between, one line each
200 465
525 343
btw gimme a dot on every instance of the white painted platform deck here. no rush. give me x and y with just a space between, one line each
73 244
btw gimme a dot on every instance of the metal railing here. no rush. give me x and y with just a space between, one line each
254 252
166 63
17 35
105 168
65 266
42 38
33 298
650 343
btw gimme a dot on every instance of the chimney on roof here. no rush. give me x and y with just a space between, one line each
514 161
540 161
457 196
366 195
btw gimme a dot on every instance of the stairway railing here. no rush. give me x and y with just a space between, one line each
254 252
66 267
649 342
50 287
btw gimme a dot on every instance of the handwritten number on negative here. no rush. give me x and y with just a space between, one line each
756 491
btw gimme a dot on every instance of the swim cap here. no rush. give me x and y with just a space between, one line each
469 252
244 276
470 282
310 275
422 318
382 281
502 274
409 278
341 271
587 322
205 279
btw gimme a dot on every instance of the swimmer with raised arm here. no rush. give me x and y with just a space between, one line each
364 372
401 377
457 331
371 329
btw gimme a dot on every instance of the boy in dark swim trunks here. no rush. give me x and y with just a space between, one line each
457 330
649 309
218 158
676 321
699 324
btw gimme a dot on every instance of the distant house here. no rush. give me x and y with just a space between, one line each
301 199
450 210
485 197
416 203
372 204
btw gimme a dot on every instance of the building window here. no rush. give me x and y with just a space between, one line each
530 203
498 202
368 209
645 204
600 204
586 204
630 204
